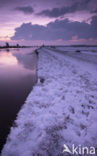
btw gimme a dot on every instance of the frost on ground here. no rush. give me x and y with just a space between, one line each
61 109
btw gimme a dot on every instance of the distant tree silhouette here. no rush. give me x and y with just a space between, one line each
7 44
17 45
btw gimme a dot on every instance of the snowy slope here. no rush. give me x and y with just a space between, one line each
61 109
88 54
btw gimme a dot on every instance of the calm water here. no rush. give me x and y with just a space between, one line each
17 77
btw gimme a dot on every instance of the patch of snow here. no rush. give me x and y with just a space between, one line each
61 108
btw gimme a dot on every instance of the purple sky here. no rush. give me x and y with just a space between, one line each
48 21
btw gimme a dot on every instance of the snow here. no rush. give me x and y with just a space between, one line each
61 108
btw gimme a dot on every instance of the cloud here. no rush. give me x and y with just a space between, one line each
56 12
63 29
95 11
25 9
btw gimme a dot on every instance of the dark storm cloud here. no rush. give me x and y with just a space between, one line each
95 11
25 9
63 29
8 3
56 12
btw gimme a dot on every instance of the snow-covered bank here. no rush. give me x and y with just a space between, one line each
61 109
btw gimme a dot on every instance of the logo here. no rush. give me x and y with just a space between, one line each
79 150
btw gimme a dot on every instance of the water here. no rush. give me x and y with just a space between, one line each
17 77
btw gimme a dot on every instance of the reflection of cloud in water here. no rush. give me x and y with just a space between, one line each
24 57
15 65
8 59
27 60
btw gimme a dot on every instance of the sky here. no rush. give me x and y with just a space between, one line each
34 22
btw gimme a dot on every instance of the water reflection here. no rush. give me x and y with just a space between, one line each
17 77
7 59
